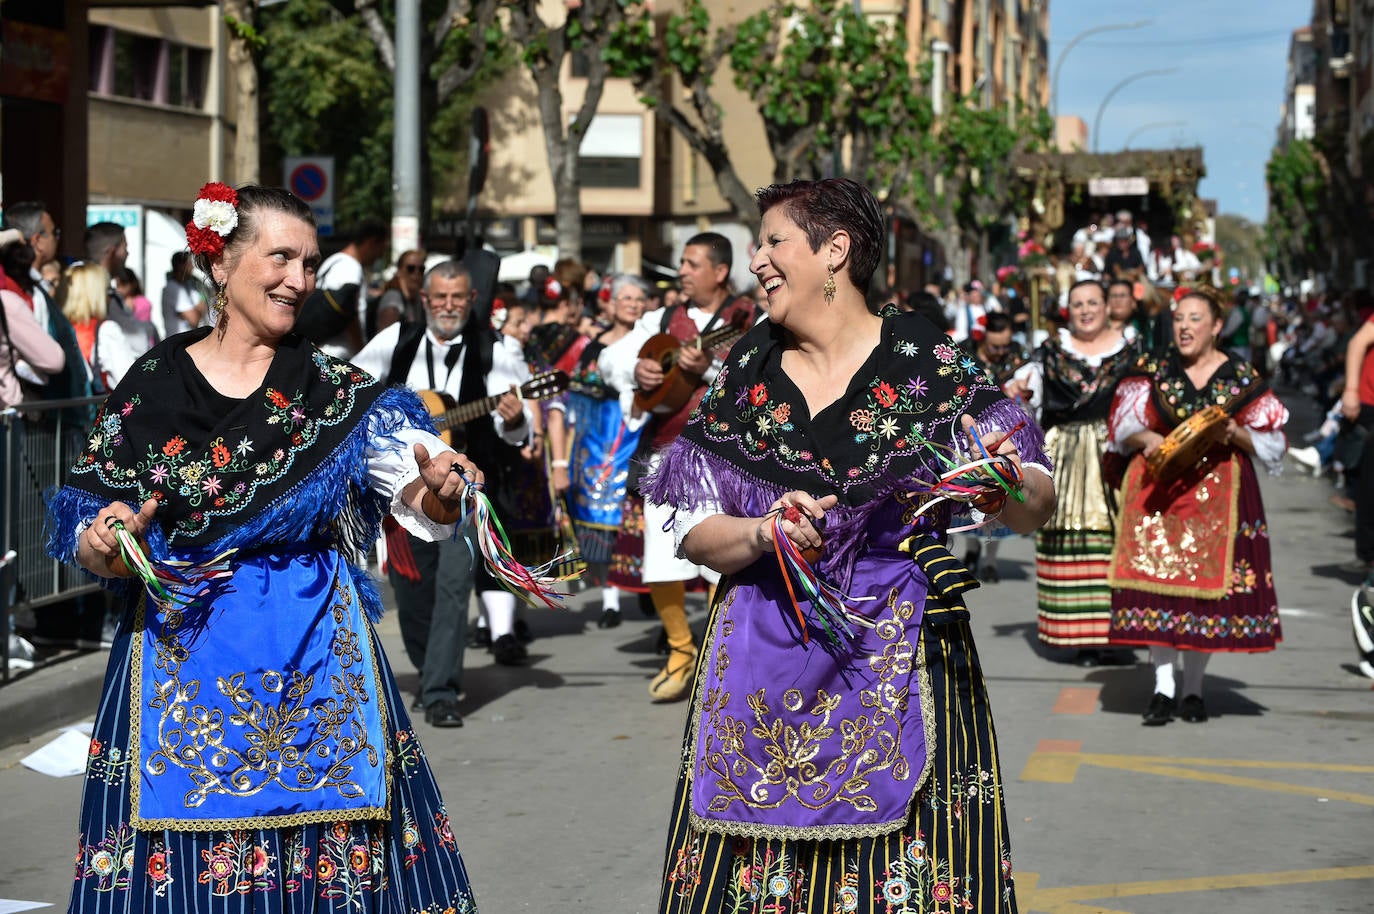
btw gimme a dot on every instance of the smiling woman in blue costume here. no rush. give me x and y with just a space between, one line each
828 771
251 751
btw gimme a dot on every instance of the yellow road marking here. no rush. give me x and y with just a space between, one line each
1231 780
1058 761
1054 761
1066 900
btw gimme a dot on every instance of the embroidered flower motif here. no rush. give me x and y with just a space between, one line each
260 860
211 485
326 869
779 885
220 456
782 412
906 347
742 398
896 890
862 419
758 394
765 424
175 446
157 866
277 398
102 863
942 892
945 352
95 747
885 394
126 409
357 858
916 386
887 427
245 447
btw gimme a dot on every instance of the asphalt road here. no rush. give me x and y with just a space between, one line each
559 783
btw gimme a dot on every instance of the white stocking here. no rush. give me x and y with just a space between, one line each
1163 660
500 607
610 598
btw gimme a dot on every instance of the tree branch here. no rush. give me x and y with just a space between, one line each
376 30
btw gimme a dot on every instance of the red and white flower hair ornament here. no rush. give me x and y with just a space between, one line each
552 288
214 217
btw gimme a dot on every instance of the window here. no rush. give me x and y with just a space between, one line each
612 150
148 69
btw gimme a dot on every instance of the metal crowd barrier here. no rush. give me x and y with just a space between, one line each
41 441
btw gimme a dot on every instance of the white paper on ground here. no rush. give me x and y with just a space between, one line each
61 758
8 906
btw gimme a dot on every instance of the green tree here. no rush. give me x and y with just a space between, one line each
1298 195
838 95
328 68
1242 241
587 31
684 47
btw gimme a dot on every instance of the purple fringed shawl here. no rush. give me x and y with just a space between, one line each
818 741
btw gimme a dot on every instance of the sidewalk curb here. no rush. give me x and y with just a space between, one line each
52 696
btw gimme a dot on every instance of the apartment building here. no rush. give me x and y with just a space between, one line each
114 110
645 191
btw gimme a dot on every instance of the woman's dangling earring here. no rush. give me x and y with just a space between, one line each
221 302
829 288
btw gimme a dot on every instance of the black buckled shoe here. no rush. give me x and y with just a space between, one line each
1192 709
1160 711
443 713
610 618
522 632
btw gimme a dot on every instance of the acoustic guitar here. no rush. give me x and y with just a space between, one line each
449 416
679 384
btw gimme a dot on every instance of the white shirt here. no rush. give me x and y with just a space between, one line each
179 300
618 361
506 371
337 271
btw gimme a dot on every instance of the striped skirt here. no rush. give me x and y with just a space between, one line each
1075 601
1073 550
408 864
952 854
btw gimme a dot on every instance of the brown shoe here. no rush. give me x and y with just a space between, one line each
1345 504
674 681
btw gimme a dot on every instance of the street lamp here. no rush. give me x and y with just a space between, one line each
938 50
1097 120
1153 126
1087 33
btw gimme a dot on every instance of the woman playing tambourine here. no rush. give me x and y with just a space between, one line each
1191 570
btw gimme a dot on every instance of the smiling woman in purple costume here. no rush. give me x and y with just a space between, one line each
837 773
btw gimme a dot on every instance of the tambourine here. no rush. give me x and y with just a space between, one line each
1186 445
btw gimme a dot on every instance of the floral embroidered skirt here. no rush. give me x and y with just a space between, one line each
952 855
408 865
1245 619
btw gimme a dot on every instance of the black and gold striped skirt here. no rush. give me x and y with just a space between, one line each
952 854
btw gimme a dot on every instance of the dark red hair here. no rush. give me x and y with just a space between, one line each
821 208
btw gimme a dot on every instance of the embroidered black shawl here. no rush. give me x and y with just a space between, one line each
1234 385
752 438
283 465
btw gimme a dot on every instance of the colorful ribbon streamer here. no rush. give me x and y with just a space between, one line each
827 602
171 581
533 585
